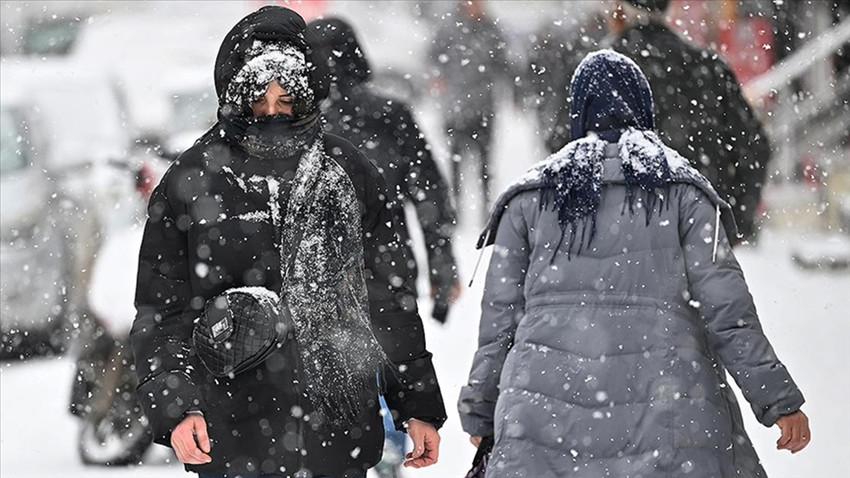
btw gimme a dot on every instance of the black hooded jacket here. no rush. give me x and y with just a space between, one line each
195 247
384 130
699 112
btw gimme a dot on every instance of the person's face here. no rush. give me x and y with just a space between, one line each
276 101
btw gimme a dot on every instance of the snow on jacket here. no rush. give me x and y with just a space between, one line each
612 360
700 112
385 131
201 239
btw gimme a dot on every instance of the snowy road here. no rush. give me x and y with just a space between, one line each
805 314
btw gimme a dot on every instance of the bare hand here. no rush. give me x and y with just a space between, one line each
183 440
426 444
476 441
454 293
795 432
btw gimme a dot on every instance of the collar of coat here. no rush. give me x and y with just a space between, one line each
611 173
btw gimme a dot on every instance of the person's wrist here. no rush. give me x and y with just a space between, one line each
425 420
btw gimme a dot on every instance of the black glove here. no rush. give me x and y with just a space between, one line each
441 311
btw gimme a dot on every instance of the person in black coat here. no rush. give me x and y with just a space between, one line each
556 49
224 218
468 59
385 131
699 107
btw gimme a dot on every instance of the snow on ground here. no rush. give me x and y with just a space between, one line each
804 313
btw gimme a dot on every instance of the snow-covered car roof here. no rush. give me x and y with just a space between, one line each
77 109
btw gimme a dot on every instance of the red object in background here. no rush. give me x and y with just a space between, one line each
747 44
146 180
811 171
309 9
691 19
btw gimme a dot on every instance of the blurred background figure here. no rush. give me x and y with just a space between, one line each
555 50
385 131
700 109
468 56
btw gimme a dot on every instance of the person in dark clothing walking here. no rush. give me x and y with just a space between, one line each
556 49
225 218
385 131
700 109
468 57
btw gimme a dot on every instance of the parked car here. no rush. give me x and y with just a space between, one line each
62 128
35 260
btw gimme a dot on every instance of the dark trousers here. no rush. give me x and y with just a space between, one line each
471 141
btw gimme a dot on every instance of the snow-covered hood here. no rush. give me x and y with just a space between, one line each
336 41
615 154
268 24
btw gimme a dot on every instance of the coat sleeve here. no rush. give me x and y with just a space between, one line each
411 387
429 193
161 333
725 304
502 308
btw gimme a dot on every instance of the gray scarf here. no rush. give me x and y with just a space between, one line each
326 286
327 292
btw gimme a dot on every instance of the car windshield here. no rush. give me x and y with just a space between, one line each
11 153
50 38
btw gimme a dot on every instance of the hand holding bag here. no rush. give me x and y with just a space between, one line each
482 457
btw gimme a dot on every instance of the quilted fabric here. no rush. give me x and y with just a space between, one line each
239 329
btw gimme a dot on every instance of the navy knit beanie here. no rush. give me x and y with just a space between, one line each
608 94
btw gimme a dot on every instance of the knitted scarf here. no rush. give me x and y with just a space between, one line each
326 287
327 292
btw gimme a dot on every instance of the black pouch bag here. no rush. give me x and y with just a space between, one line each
482 456
239 329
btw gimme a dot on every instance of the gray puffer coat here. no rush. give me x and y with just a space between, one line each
612 362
